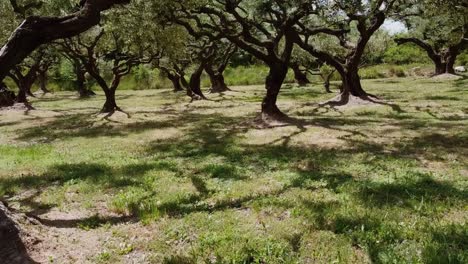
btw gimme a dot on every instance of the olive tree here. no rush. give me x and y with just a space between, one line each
441 30
35 31
120 44
261 28
348 27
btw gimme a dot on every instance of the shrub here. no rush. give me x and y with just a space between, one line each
396 71
405 54
463 59
371 73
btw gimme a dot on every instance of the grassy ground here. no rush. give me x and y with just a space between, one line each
200 183
143 78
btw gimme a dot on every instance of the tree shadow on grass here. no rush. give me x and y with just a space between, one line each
178 260
86 223
95 173
449 245
378 236
103 176
442 98
412 193
7 124
82 125
216 136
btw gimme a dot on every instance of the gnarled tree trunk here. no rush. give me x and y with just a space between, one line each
326 77
218 84
43 82
24 83
274 81
440 67
194 87
350 86
110 105
83 91
444 60
175 79
22 95
352 83
444 63
184 82
300 76
35 31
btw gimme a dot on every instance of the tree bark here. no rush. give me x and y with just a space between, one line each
352 83
175 79
35 31
28 83
22 98
176 83
274 81
43 82
24 84
7 97
445 64
444 61
110 106
450 60
194 89
184 82
80 82
300 76
218 84
326 82
440 67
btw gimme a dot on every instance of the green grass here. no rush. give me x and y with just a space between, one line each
369 184
144 79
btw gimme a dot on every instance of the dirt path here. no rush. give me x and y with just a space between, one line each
72 236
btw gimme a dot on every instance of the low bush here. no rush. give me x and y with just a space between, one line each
371 73
396 71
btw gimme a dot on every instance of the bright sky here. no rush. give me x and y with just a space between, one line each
394 27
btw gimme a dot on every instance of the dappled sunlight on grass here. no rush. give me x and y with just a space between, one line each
368 184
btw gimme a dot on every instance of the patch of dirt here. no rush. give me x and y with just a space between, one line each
447 77
16 107
455 217
352 102
79 235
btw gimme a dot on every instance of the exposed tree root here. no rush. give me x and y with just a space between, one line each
196 97
45 92
346 99
219 90
86 94
447 76
272 118
111 111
